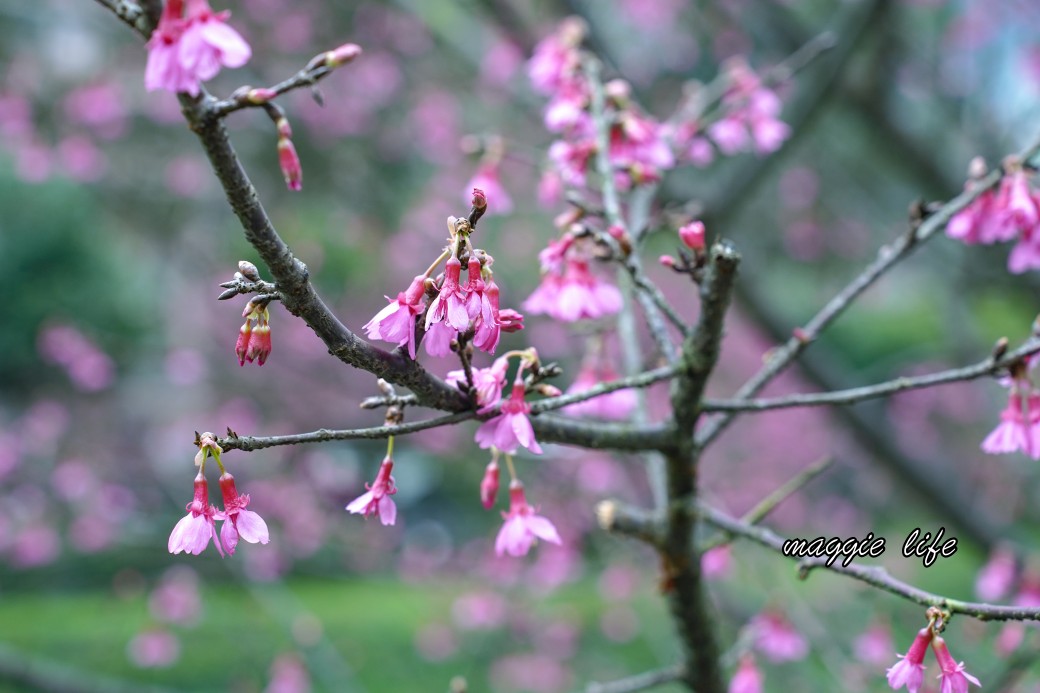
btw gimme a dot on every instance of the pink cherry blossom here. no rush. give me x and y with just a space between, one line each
747 678
1015 431
438 338
377 499
522 526
487 382
953 677
556 60
575 295
997 577
208 42
193 532
489 485
510 429
449 306
239 522
396 322
909 670
777 638
613 406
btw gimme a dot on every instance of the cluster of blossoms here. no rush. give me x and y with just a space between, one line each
639 148
1019 427
1002 577
909 670
570 290
254 337
1009 213
190 45
613 406
746 118
455 311
194 531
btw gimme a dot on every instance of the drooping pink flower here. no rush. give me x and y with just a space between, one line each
489 484
396 322
571 160
488 382
576 295
184 51
510 320
638 146
747 678
730 135
510 429
1014 432
193 532
254 342
556 60
438 339
522 526
874 645
777 638
909 670
449 306
997 577
613 406
377 499
488 180
209 43
239 522
953 677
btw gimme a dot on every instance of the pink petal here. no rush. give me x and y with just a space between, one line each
229 537
252 527
387 510
543 529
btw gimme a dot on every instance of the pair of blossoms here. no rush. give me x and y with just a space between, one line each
909 670
503 434
193 532
1019 427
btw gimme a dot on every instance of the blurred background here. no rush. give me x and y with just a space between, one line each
114 237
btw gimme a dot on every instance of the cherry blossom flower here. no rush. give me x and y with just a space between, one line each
510 429
997 577
556 60
777 638
438 338
449 306
193 532
953 677
208 42
396 322
575 294
1016 430
377 499
692 235
489 484
239 522
613 406
184 51
254 343
909 670
522 526
487 382
747 678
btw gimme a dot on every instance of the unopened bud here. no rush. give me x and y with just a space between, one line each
289 160
617 90
606 514
342 55
260 96
248 270
692 235
1001 347
510 320
977 168
479 198
284 128
548 390
667 261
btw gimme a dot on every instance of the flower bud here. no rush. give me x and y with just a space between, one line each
692 235
489 485
289 160
342 55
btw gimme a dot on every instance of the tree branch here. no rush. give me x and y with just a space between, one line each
875 576
890 255
639 682
990 366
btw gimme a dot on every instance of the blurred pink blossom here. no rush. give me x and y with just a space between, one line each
154 648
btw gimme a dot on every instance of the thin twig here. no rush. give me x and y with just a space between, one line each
639 682
875 576
781 357
132 14
990 366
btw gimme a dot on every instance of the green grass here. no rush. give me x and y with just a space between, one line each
354 635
